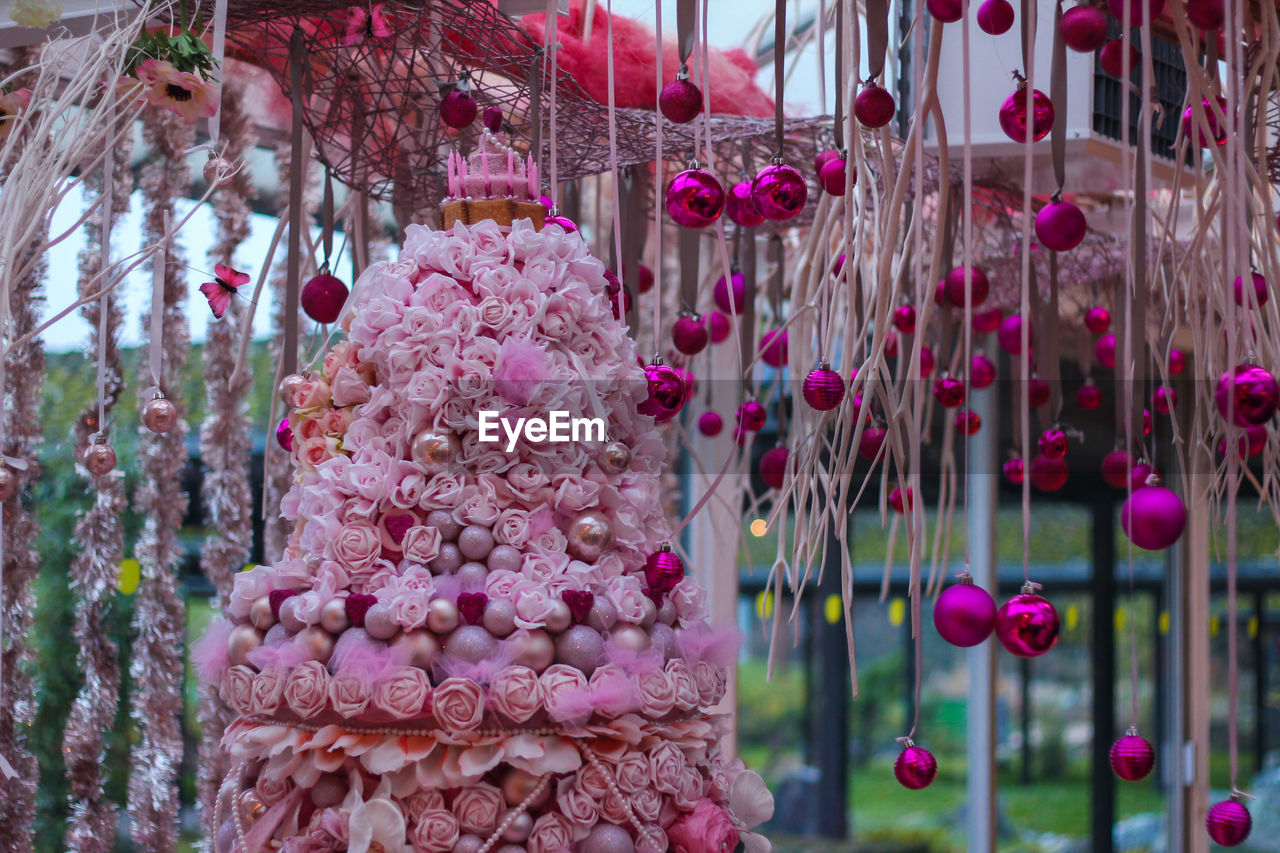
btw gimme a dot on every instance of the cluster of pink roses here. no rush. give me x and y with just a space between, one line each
324 406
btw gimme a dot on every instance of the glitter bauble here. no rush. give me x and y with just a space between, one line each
1260 292
471 577
721 293
752 416
1060 225
823 388
680 101
663 570
948 391
1111 58
780 191
1053 443
1116 468
284 435
1163 399
475 541
159 415
448 560
690 335
1228 822
968 423
1136 12
1250 393
915 767
471 643
987 321
979 286
1177 361
579 602
499 617
566 224
1014 118
418 647
1088 397
580 647
323 297
964 614
898 503
1009 335
607 838
773 467
740 205
379 622
1037 392
288 388
695 198
946 11
904 319
535 649
1153 518
995 17
1217 133
99 458
773 347
1104 350
717 326
834 174
243 639
1084 28
982 372
666 393
1013 471
1132 757
590 535
870 443
1206 14
614 458
468 844
926 361
1027 625
458 109
874 106
710 424
1097 319
1048 474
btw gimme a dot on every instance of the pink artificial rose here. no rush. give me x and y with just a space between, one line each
495 313
349 692
632 772
551 833
458 705
358 546
533 605
594 779
271 788
612 691
477 507
512 527
628 598
576 804
615 809
502 583
707 829
666 765
514 693
477 808
403 693
692 789
704 678
314 452
525 480
647 804
409 609
489 243
656 692
443 491
420 802
311 394
690 600
306 690
349 388
565 692
682 680
407 493
421 544
336 421
436 831
237 688
268 687
307 427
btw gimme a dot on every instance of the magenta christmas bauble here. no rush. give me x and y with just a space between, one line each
981 372
284 435
890 345
720 293
1228 822
985 322
680 101
820 159
1260 292
1104 350
833 175
663 570
1013 471
717 326
1163 399
946 11
689 380
1084 28
964 614
567 224
1217 133
323 297
752 416
898 503
773 467
694 198
1009 335
979 286
458 109
689 334
1097 320
1037 391
926 361
1136 11
1250 393
1053 443
823 388
904 319
995 17
1140 476
1048 474
1251 443
870 443
1132 757
1206 14
968 423
740 205
1017 118
773 347
1116 468
915 767
874 106
666 393
1088 397
948 391
1111 58
1153 518
644 278
710 424
1177 361
1027 625
159 415
780 191
1060 225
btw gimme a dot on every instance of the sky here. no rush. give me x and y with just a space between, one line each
729 24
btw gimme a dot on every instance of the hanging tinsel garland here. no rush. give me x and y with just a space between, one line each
99 537
157 665
225 443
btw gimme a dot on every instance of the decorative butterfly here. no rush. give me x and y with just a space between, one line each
222 288
363 24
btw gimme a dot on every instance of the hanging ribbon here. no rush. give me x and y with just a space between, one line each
297 214
779 72
1058 95
688 253
219 58
777 255
747 342
326 217
838 122
877 38
155 352
686 30
1028 39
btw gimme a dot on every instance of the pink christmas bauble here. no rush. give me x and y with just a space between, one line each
982 372
1009 335
1013 471
823 388
565 223
740 205
964 614
644 278
323 297
720 293
1260 292
890 345
1116 468
898 503
948 391
159 415
663 570
946 11
1250 392
1037 391
926 361
870 443
1206 14
833 174
694 198
1048 474
710 424
717 326
666 393
1140 476
904 319
690 382
1251 443
1053 443
968 423
995 17
752 416
689 335
1060 225
773 347
1163 399
1088 397
979 286
680 101
820 159
874 106
1015 117
1097 320
1217 134
915 767
1136 16
1228 823
1132 757
1084 28
1153 518
1111 58
987 321
284 435
458 109
1104 350
780 191
1177 361
1027 625
773 467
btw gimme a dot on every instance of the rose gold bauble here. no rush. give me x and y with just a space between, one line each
329 790
288 388
420 645
518 784
590 535
216 171
8 483
499 617
442 616
318 642
631 637
99 458
159 415
251 806
519 827
434 450
289 616
260 613
333 616
558 617
242 640
534 649
615 457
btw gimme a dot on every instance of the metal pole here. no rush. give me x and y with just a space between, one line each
1103 789
830 693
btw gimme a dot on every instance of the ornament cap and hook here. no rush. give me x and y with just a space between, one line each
1031 588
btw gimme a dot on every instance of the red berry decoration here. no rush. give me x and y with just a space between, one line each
1250 393
1009 335
1017 119
1089 397
663 570
680 101
1084 28
898 504
820 159
874 106
1060 225
904 319
995 17
323 297
721 293
710 424
833 175
1027 624
694 198
1132 757
1111 58
823 388
979 286
1229 822
948 391
870 443
1163 399
773 467
1260 292
1053 443
1153 518
1136 18
916 767
690 335
1206 14
964 614
1116 468
947 11
780 191
1013 471
773 347
740 206
982 373
458 109
1097 320
752 416
1104 350
666 392
968 422
1037 392
1048 474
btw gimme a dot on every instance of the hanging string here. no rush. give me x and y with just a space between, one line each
155 352
326 219
659 180
615 177
219 55
967 227
297 212
1024 307
779 73
551 37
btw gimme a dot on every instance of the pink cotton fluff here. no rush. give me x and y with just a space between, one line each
522 366
210 652
451 666
635 663
717 646
356 652
282 656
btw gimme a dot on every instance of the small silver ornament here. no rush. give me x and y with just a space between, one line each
590 535
288 388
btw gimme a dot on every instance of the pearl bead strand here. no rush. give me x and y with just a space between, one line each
515 813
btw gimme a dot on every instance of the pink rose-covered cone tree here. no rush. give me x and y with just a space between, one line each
460 648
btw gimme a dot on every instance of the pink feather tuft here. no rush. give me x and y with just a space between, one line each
522 366
573 707
210 652
356 651
613 695
283 656
635 663
705 643
449 666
